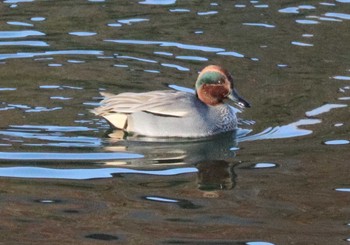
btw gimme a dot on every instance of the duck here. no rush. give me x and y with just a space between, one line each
173 113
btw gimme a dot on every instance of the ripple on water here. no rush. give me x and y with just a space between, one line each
163 53
178 10
301 44
296 10
54 156
260 25
49 136
172 44
132 20
14 3
325 18
337 142
345 78
76 61
182 203
178 67
25 43
259 243
114 25
52 128
161 199
343 189
48 201
49 53
82 33
135 58
169 44
307 22
20 34
207 13
307 35
323 109
263 165
8 89
231 53
43 109
192 58
85 173
338 15
18 23
55 65
282 132
37 19
158 2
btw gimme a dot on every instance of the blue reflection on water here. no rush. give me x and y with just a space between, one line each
135 58
18 23
323 109
37 19
260 25
307 22
337 142
259 243
169 44
82 33
132 20
20 34
296 10
193 58
218 51
25 43
8 89
302 44
338 15
83 174
178 67
178 10
161 199
50 135
62 156
282 132
49 53
207 13
158 2
231 53
18 1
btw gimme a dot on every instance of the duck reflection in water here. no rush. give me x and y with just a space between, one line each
214 157
216 175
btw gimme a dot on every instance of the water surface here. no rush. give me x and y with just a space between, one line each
282 178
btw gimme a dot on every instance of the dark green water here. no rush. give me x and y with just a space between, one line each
282 179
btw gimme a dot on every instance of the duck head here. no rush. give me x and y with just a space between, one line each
215 84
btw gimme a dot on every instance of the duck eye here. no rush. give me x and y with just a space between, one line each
221 81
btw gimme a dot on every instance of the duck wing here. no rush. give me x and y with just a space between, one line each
164 103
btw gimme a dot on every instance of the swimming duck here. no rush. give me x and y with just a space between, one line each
171 113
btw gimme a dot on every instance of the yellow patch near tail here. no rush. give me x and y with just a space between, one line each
118 120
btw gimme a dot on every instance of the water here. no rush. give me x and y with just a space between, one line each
282 178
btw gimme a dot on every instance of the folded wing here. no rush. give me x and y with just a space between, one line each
163 103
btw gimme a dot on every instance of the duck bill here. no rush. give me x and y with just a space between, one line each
234 96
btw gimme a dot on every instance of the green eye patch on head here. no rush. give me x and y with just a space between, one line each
209 77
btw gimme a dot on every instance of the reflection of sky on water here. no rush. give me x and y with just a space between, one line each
81 174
